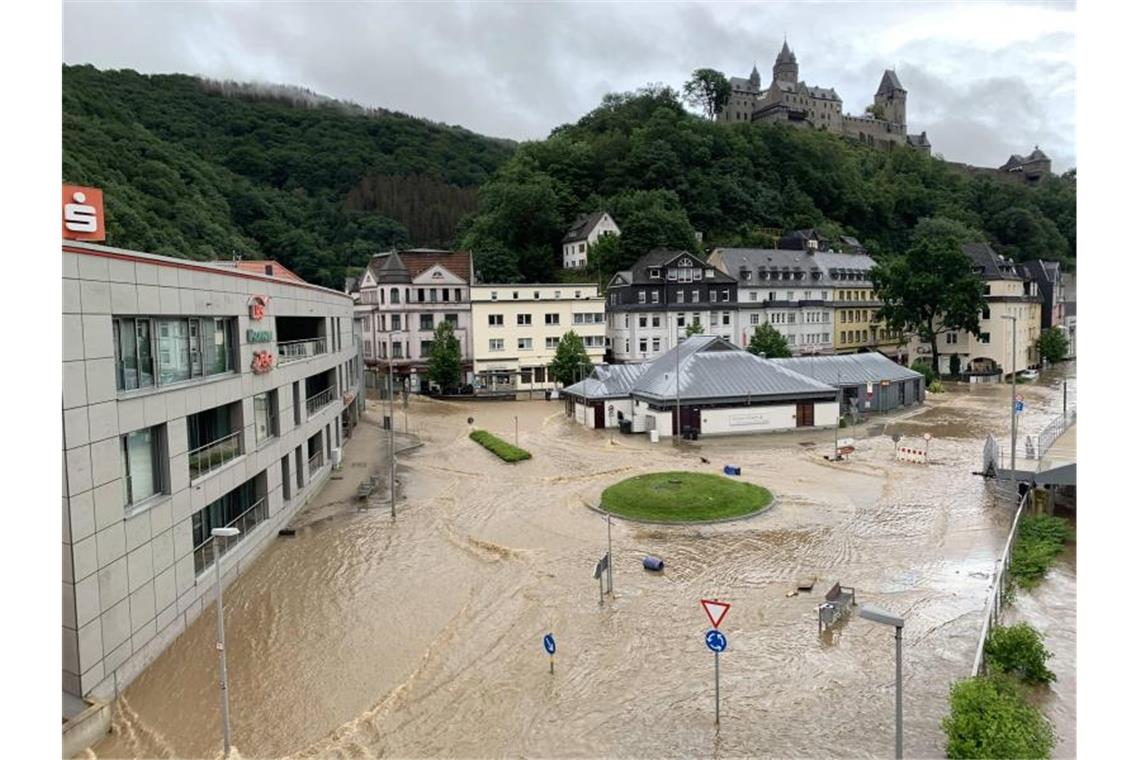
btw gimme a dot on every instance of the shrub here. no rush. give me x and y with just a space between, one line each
1039 540
1020 651
990 718
935 387
499 447
922 366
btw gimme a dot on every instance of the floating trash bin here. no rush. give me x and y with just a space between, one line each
731 470
653 563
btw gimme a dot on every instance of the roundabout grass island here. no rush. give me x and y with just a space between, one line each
684 497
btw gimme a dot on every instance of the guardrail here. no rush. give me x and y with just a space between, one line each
213 455
999 592
296 350
1054 430
245 522
316 462
319 401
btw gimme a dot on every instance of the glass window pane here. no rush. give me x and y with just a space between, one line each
145 359
195 347
141 463
127 369
173 351
261 416
218 349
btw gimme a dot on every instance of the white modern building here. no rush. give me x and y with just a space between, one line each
195 396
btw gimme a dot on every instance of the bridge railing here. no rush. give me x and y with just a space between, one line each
999 592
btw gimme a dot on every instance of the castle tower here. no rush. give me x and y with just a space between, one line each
892 97
754 78
786 68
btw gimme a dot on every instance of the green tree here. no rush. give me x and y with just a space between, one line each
1053 345
931 288
445 365
990 718
1020 651
767 340
604 255
694 328
876 110
708 90
571 362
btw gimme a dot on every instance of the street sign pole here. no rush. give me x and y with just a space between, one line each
609 554
716 666
548 645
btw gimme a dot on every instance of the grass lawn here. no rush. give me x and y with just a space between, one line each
679 497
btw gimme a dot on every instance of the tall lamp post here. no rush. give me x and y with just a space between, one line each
874 614
220 533
1013 400
392 426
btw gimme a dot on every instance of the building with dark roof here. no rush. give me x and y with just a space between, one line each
704 386
650 305
1031 168
583 233
403 296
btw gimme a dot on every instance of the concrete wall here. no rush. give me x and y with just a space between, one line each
129 581
763 419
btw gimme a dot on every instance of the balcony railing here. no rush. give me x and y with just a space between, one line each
296 350
315 403
245 522
205 459
316 462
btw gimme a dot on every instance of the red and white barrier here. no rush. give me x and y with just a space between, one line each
910 454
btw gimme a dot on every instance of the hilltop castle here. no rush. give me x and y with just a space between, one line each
789 100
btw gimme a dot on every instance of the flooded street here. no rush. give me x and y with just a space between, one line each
364 637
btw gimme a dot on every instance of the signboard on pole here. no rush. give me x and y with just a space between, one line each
548 644
715 610
716 641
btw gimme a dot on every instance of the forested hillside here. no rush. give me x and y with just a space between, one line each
663 173
204 170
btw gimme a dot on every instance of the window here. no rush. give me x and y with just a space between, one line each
433 295
724 317
712 295
495 344
265 415
367 350
984 338
594 341
642 321
752 295
523 319
395 296
458 294
985 312
655 273
724 294
425 348
577 294
680 320
952 338
754 319
696 295
552 319
710 274
452 318
525 344
515 295
656 345
426 322
142 455
241 507
495 320
655 297
396 323
420 295
536 295
656 320
643 345
641 296
446 294
184 347
494 295
680 296
551 343
397 350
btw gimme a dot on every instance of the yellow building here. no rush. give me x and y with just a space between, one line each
856 322
516 329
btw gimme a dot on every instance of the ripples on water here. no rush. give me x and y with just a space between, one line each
361 637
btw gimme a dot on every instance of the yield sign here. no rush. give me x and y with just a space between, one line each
715 610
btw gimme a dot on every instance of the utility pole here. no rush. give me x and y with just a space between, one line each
610 554
392 427
838 411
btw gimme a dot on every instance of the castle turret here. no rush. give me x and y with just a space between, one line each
786 68
892 98
754 78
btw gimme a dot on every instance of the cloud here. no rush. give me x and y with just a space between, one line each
1002 73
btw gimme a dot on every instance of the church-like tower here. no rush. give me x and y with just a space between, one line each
786 69
892 97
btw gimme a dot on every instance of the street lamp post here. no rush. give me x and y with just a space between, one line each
1013 399
877 615
219 533
392 427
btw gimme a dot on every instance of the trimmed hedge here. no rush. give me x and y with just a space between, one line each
499 447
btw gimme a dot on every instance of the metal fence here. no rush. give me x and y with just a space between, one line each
1054 430
213 455
245 522
999 592
319 401
295 350
316 462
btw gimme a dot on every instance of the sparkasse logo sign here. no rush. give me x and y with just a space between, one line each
83 213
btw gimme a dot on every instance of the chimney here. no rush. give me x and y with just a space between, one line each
269 269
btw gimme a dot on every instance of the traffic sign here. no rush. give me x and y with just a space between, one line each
548 643
1019 406
715 610
716 641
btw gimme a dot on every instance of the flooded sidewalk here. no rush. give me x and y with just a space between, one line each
364 637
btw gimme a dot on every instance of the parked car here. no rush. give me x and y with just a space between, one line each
1030 374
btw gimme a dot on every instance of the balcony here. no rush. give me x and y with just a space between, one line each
205 459
319 401
245 522
298 350
316 462
214 437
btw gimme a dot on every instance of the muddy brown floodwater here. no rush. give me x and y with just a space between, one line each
363 637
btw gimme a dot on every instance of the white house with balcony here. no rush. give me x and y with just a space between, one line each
582 234
195 396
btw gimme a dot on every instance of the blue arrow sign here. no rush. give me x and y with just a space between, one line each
1019 406
715 640
548 643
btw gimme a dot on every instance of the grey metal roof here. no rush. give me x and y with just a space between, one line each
582 226
734 259
848 369
608 381
889 83
741 84
711 367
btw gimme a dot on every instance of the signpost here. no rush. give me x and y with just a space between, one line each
1019 404
548 645
599 572
716 641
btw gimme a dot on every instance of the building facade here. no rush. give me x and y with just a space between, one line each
1011 298
650 305
516 329
585 231
403 297
195 396
789 100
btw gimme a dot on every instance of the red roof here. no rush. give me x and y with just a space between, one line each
419 260
267 267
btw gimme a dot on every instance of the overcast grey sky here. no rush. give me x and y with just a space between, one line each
984 79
